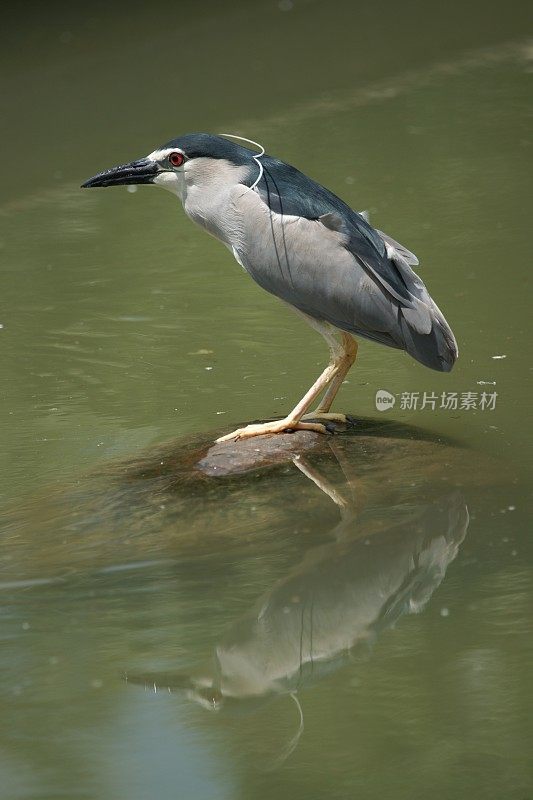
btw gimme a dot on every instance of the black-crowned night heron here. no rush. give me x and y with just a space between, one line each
303 244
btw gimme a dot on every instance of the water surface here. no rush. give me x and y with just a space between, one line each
351 623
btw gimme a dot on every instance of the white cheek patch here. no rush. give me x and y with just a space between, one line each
171 181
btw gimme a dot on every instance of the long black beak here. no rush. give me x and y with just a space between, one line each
142 171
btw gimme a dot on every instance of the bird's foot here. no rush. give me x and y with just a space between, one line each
326 416
277 426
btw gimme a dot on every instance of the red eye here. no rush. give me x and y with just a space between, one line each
176 159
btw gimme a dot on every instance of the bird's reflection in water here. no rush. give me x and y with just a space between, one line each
337 600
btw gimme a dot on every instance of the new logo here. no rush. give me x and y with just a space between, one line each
384 400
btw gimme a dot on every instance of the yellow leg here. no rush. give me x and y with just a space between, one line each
349 354
291 421
344 362
342 357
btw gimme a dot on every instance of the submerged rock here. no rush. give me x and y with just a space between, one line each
191 497
226 458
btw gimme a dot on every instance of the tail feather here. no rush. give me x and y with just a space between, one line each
436 349
426 334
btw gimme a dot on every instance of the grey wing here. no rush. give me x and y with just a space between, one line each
287 192
374 293
408 255
395 248
419 326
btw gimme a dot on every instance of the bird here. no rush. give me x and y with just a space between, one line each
305 245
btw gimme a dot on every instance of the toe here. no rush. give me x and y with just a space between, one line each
280 426
318 427
230 436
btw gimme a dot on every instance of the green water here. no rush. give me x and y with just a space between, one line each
359 626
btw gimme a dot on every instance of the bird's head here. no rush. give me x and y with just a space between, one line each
195 157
